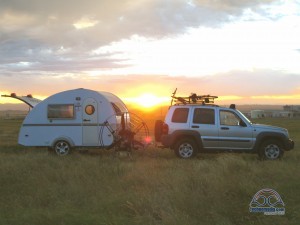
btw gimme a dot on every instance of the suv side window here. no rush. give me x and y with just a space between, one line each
229 118
204 116
180 115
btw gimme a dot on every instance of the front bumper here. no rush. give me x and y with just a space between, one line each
289 144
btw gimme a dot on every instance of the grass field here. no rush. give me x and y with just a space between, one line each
151 187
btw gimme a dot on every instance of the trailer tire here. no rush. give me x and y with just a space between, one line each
62 147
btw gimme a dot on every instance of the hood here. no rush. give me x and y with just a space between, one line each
268 127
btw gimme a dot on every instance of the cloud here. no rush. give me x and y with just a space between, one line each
240 84
30 29
51 46
110 20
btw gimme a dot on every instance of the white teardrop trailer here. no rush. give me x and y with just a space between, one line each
81 118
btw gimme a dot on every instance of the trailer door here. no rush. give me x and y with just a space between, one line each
90 124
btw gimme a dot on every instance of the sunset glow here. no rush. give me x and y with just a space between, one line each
147 101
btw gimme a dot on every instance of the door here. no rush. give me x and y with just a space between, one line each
204 122
90 124
232 134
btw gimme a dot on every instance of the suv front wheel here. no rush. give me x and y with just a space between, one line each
270 149
185 148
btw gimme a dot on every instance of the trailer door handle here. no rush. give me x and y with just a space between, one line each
224 128
85 120
195 126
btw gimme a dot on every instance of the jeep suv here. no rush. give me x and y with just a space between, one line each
194 124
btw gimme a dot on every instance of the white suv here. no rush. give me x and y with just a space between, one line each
193 125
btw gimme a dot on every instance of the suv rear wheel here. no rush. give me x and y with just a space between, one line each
185 148
270 149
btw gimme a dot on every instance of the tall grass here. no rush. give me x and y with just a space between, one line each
151 187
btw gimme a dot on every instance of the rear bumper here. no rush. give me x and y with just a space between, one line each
289 145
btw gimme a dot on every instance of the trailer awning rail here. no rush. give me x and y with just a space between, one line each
28 99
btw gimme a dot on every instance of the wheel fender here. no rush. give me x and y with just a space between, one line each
64 138
178 134
268 135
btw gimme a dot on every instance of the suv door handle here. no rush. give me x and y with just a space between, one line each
195 126
85 120
224 128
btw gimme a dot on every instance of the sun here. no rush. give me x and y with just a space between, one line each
147 100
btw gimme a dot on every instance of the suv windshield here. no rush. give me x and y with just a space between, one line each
244 117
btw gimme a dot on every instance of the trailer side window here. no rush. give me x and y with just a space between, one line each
61 111
89 109
119 109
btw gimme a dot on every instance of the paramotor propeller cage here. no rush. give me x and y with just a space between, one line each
193 99
131 132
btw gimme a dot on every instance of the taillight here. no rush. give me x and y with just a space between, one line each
165 128
148 140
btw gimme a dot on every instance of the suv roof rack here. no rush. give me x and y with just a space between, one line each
193 99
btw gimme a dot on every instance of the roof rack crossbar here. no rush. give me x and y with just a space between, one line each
193 99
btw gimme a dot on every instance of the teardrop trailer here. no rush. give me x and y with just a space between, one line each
81 118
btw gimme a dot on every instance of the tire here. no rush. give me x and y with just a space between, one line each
270 150
62 148
158 129
186 148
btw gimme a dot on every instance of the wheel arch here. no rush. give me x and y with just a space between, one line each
180 134
262 137
63 138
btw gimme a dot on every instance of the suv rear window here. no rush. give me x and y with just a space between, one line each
180 115
204 116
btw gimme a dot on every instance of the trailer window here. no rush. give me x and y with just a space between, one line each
116 108
65 111
89 109
119 108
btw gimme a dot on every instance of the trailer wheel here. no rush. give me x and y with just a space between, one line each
62 148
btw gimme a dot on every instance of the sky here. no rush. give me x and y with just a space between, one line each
244 51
